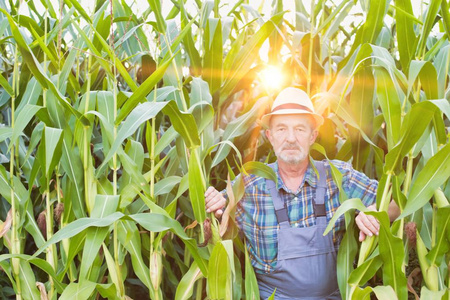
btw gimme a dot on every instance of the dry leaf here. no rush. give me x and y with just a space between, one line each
4 228
192 225
42 290
411 276
230 206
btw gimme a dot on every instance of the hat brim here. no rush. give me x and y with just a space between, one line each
265 120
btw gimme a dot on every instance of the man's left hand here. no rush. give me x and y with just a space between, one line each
368 225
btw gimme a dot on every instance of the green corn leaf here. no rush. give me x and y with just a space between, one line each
130 33
445 16
51 153
362 294
5 84
368 33
72 166
104 206
78 291
428 79
31 95
196 187
345 258
188 42
412 129
168 137
432 11
41 264
136 118
443 105
212 60
105 103
361 106
428 294
390 105
186 286
142 91
75 246
156 8
374 21
442 245
392 254
107 291
102 25
128 236
260 169
22 121
134 174
405 31
78 226
365 272
430 271
349 204
199 91
385 292
218 270
251 284
22 197
36 68
341 9
28 281
342 109
79 8
415 69
184 124
103 62
158 222
50 54
113 272
166 185
435 172
5 133
133 161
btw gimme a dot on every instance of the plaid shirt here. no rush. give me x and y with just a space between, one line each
255 214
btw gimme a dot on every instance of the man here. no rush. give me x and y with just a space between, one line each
284 223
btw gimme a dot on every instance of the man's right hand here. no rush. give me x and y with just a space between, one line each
214 201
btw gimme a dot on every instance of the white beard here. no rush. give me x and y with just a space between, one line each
291 159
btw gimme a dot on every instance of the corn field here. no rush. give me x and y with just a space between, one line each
116 117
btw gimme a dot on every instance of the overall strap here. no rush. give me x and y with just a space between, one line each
278 203
319 202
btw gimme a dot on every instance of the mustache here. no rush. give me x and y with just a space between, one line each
291 146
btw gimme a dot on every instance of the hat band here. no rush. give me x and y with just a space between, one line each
292 106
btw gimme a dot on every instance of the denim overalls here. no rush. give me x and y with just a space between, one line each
306 260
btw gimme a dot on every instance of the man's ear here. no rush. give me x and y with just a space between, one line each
268 134
314 135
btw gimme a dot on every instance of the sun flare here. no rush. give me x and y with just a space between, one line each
272 77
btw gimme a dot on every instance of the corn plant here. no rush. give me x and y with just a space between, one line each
117 117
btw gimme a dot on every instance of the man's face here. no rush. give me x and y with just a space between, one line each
291 137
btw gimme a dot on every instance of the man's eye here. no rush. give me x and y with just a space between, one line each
281 129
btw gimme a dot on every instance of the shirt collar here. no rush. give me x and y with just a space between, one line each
310 176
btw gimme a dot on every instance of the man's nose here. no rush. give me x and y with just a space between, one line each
290 135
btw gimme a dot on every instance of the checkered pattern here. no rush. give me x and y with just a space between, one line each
256 217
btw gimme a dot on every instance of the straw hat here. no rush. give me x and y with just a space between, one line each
292 101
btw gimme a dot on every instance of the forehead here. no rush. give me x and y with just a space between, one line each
290 120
